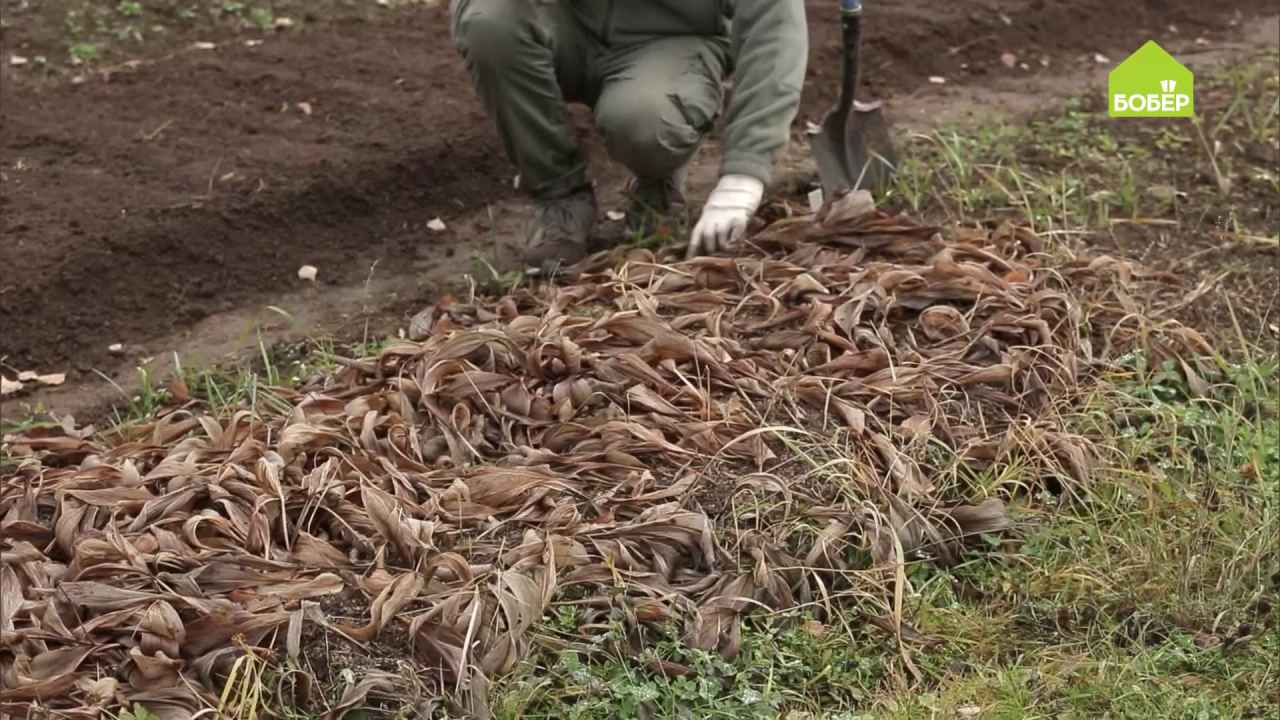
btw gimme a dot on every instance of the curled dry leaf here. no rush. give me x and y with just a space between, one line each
596 436
848 208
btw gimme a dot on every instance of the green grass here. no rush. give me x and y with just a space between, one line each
785 663
1076 171
485 279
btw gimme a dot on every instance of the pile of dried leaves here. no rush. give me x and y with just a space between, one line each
634 440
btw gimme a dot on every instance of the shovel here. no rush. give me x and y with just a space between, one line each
853 149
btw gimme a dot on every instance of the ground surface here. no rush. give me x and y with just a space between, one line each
1154 592
161 193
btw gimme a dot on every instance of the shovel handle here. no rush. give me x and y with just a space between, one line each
851 31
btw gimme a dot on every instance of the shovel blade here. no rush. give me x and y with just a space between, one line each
854 152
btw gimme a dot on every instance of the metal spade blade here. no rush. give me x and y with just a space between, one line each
853 149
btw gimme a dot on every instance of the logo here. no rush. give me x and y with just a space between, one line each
1151 83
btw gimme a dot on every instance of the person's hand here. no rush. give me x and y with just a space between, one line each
726 214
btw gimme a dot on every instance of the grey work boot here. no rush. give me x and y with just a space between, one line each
657 205
560 230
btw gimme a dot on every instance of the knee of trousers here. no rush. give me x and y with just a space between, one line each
653 136
492 32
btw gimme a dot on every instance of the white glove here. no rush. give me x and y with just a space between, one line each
726 214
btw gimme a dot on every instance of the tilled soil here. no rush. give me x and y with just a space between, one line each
152 194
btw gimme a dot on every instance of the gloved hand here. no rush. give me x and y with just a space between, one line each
726 214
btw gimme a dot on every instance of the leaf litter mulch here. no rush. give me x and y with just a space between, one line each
676 442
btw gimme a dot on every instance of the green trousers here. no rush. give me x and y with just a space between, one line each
654 99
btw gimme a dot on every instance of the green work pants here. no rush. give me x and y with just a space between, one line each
654 99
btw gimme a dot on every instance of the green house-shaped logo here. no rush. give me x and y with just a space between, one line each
1151 83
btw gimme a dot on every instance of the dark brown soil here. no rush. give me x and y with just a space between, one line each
143 198
152 197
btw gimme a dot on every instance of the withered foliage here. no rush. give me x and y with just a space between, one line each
601 438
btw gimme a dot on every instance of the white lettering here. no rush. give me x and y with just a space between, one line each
1149 103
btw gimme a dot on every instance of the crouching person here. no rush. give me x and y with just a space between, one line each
653 72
